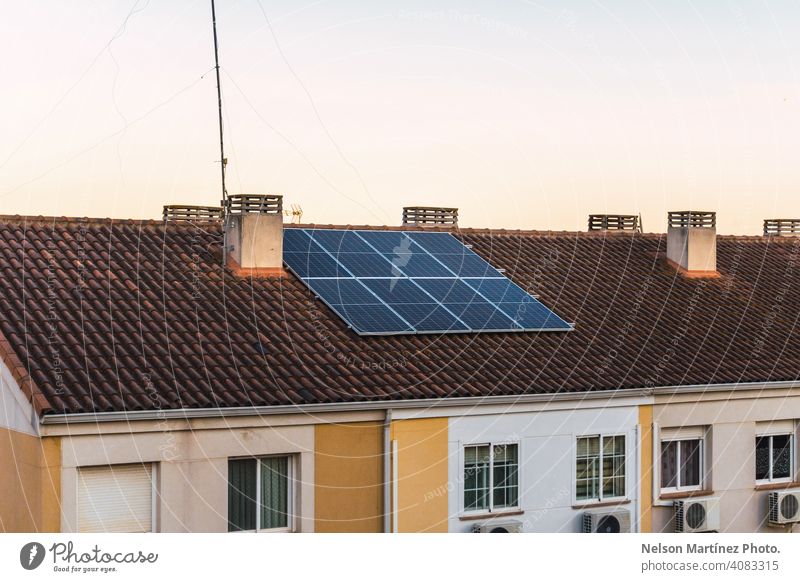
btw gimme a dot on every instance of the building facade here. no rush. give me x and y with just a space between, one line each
155 389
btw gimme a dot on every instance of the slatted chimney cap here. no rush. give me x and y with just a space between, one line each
614 222
692 219
191 213
430 216
782 227
255 204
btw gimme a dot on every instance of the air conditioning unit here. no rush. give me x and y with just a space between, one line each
784 507
613 521
697 515
511 526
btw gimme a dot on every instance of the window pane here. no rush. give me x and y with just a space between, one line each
614 445
669 464
241 494
762 458
505 473
614 466
690 463
588 446
587 484
476 477
781 456
274 492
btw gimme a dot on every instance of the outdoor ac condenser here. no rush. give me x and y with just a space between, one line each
612 521
511 526
697 515
784 507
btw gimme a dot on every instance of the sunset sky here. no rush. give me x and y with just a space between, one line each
524 114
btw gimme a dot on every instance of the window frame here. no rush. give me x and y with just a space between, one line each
291 513
491 509
679 488
601 498
792 456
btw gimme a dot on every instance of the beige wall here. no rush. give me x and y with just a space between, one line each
421 477
348 471
29 482
731 419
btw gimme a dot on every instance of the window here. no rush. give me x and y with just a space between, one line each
260 494
600 468
682 464
116 499
491 477
774 457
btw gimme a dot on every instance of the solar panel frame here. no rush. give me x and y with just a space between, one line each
383 315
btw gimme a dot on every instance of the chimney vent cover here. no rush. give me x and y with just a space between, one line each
782 227
692 219
255 204
430 216
614 222
186 213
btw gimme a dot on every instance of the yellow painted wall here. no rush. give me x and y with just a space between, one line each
348 474
646 488
422 484
30 483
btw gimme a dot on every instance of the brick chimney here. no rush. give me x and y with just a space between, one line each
254 234
692 242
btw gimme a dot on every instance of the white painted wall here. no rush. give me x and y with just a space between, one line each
16 412
547 460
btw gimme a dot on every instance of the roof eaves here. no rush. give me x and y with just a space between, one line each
21 376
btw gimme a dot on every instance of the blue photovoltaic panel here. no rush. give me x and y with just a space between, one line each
355 304
405 257
312 264
414 305
297 240
393 282
454 255
499 290
521 307
342 291
429 317
398 291
372 319
482 316
533 315
365 264
450 290
468 265
417 264
386 241
340 241
438 242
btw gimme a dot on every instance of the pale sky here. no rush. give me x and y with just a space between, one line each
524 114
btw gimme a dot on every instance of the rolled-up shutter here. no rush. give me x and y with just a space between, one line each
115 499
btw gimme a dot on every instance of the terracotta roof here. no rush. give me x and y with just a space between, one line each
109 315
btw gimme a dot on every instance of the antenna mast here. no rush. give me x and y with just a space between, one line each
223 161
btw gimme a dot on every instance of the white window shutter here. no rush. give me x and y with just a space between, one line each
115 499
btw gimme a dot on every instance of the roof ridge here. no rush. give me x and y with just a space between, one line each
156 222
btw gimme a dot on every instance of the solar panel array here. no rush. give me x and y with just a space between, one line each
397 282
